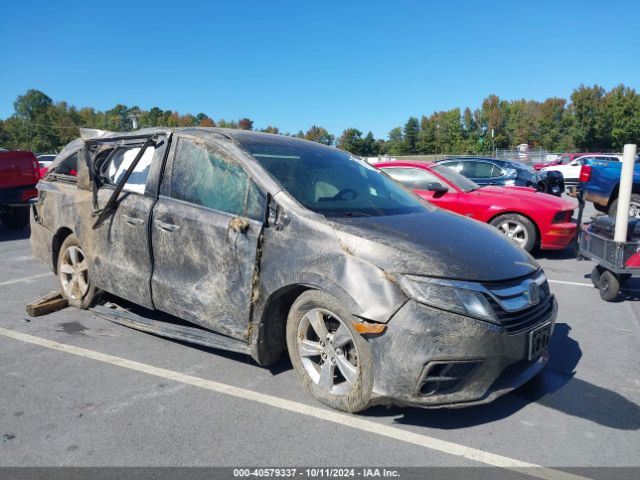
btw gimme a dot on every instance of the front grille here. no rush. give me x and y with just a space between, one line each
525 318
512 371
517 322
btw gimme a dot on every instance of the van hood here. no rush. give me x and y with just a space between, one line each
436 244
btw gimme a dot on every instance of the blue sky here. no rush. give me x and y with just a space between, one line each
368 65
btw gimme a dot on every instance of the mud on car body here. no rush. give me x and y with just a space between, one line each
274 243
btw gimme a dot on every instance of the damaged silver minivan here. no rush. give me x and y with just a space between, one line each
258 243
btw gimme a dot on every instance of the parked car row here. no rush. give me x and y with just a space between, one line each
599 183
531 219
265 243
571 171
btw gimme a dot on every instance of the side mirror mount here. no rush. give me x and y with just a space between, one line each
437 187
276 218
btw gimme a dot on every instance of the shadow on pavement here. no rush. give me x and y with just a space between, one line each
555 387
566 254
7 234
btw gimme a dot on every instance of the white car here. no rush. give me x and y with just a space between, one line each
45 160
571 171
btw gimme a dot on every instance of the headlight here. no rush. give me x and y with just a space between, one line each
459 297
509 183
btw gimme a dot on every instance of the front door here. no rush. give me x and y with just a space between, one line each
205 232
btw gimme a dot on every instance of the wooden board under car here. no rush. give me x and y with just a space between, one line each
49 303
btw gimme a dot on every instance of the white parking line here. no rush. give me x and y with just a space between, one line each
25 279
302 409
579 284
590 285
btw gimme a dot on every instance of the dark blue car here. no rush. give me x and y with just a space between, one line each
489 171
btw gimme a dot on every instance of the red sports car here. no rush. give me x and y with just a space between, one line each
528 217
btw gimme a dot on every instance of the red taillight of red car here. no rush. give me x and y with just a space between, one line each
36 171
634 261
585 173
27 195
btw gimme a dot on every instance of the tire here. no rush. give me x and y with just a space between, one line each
601 208
518 228
634 207
609 286
596 273
73 274
347 362
15 218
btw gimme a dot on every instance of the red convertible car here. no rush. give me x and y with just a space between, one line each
532 219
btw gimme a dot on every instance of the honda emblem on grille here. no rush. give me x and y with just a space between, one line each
532 293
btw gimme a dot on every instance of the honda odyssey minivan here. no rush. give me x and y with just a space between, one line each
264 243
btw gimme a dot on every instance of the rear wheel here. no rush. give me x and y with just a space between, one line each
609 286
73 274
634 206
333 361
15 217
518 228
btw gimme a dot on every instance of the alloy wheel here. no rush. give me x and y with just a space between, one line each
515 231
74 273
327 351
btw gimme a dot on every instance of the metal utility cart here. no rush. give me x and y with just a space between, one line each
614 258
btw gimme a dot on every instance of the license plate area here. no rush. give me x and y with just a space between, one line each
539 339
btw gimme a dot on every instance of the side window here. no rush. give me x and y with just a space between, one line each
484 170
200 176
256 203
496 171
469 169
68 166
121 160
412 178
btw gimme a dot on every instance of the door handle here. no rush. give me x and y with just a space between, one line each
169 227
132 220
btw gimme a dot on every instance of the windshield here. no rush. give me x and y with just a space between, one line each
330 181
457 180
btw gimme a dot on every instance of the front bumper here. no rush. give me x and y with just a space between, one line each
558 236
488 360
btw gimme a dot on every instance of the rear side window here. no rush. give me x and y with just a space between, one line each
121 160
200 176
69 166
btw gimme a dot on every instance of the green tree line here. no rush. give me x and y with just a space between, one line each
593 119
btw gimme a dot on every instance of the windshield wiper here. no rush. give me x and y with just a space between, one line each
356 214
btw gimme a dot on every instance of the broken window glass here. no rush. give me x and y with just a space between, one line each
201 177
121 160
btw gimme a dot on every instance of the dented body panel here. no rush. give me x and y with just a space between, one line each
237 274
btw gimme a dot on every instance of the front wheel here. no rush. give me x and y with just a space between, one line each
333 361
73 274
518 228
